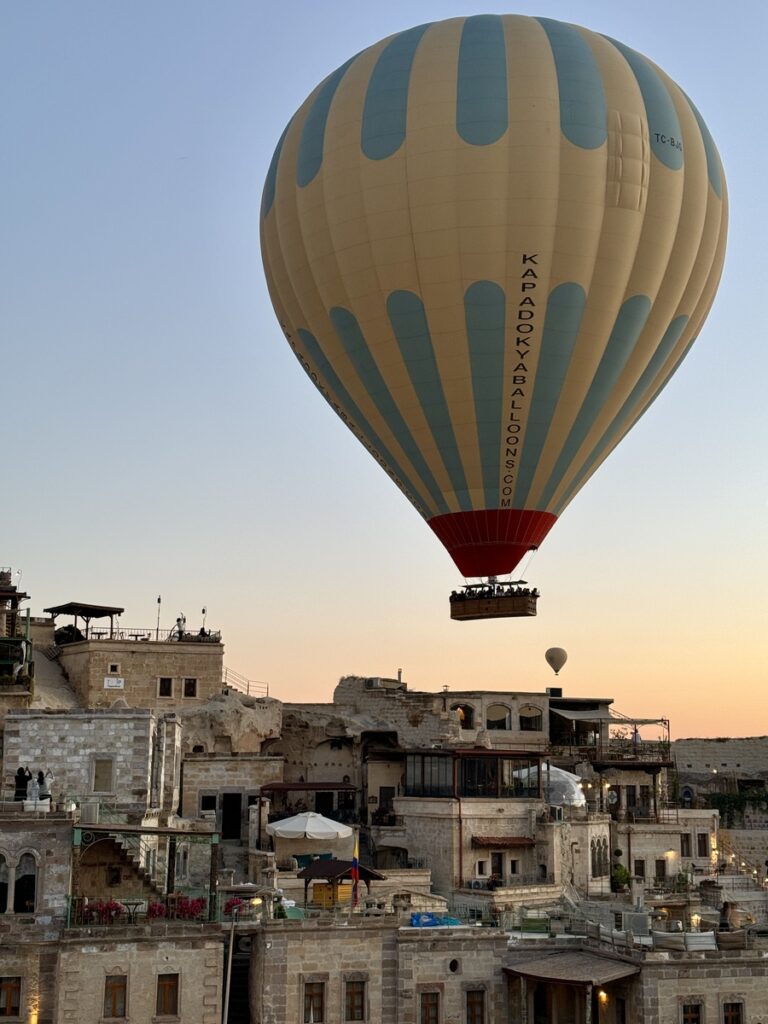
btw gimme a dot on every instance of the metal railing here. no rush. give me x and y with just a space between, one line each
151 633
510 882
110 911
250 687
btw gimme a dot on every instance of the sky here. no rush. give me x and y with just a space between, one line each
161 439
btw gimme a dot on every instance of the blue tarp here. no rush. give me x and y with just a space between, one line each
426 920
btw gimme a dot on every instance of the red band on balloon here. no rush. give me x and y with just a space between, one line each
493 541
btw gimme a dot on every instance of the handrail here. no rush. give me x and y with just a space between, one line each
250 687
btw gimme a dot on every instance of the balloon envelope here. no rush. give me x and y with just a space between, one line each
490 241
556 657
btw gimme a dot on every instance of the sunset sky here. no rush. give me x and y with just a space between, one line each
160 437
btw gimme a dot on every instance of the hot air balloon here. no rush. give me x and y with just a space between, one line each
490 241
556 657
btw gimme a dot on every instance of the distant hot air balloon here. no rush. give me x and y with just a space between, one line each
556 657
490 241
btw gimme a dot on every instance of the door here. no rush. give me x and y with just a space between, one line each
231 814
324 803
386 796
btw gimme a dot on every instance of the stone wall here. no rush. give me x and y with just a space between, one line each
214 774
99 671
197 957
69 743
667 982
743 757
396 965
421 719
49 841
651 841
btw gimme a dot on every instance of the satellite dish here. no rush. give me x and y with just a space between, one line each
556 657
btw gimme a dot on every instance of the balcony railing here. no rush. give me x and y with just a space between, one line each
151 634
510 882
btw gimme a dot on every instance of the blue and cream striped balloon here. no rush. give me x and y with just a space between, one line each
490 242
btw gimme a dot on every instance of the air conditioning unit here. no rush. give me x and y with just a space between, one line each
373 683
556 813
554 691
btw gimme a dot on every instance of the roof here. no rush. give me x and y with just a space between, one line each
575 969
501 842
333 870
85 611
580 715
307 787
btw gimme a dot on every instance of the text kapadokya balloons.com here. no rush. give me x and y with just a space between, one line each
490 242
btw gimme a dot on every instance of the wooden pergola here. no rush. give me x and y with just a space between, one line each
86 612
334 872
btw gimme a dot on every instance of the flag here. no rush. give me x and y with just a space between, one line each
356 869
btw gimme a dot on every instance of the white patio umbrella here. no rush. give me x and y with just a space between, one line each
309 825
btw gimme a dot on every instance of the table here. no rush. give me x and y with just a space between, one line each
99 633
138 636
132 908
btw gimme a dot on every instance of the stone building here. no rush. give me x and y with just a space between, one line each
129 758
387 971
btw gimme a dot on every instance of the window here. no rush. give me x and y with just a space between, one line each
208 803
354 1000
167 995
639 869
685 844
115 991
26 884
497 717
691 1013
660 869
733 1013
314 1002
465 714
429 1008
482 868
165 686
103 774
10 997
514 867
428 775
702 844
114 668
190 687
530 719
476 1006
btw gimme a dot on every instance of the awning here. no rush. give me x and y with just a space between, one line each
501 842
575 969
598 715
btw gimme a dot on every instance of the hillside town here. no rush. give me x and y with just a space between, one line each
178 844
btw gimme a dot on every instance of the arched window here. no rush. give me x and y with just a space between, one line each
530 719
497 717
686 797
594 859
3 884
25 887
465 714
198 749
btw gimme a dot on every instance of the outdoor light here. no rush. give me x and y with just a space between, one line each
602 996
696 920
